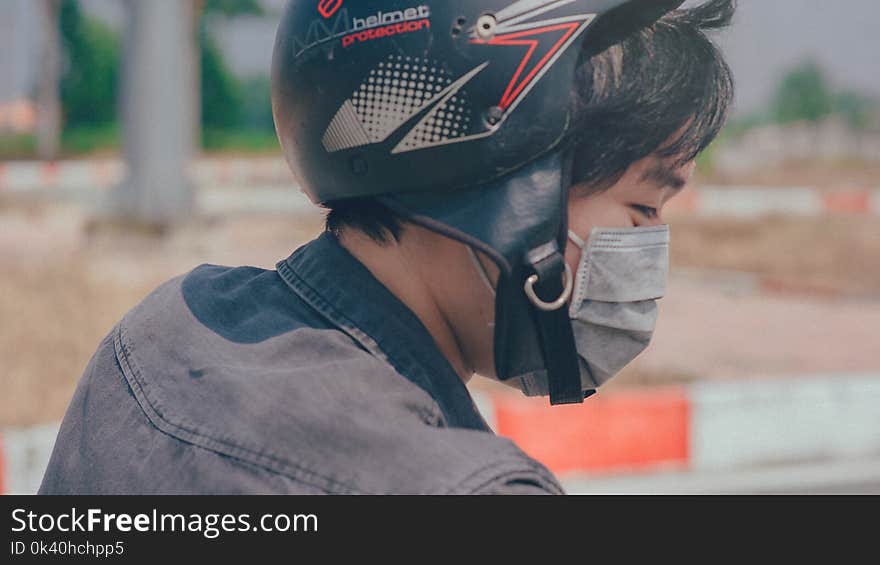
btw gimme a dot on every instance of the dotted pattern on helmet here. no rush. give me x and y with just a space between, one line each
446 122
392 93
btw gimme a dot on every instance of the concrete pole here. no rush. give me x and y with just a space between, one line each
48 124
157 107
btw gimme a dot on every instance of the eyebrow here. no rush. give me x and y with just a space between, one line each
662 175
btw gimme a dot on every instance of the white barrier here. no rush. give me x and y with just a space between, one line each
732 429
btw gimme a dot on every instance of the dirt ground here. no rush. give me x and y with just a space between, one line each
736 287
833 256
817 174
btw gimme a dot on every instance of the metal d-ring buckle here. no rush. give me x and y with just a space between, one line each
556 304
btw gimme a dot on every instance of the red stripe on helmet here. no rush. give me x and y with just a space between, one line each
516 85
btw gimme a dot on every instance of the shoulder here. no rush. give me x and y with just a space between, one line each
241 304
231 361
222 374
221 370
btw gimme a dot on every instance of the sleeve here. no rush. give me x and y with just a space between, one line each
68 468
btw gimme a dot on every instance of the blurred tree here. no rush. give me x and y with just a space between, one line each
257 100
222 100
90 73
232 7
221 90
857 109
89 86
803 95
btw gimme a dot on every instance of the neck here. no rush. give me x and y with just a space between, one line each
397 267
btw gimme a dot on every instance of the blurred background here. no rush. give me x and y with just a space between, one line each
136 142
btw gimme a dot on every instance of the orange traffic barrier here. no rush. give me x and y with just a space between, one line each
624 430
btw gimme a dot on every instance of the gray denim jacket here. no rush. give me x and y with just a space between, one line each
312 378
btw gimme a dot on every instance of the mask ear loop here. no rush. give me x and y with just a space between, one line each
576 239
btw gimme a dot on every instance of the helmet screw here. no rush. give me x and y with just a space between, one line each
494 115
458 25
486 25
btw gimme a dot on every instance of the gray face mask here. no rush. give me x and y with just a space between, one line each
621 274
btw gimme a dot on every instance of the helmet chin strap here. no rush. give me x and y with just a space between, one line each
551 319
548 294
554 326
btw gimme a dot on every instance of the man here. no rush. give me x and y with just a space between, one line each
495 173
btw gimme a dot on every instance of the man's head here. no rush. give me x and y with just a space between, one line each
639 109
646 106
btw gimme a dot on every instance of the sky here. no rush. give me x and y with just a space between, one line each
768 38
771 36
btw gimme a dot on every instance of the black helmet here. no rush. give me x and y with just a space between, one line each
453 113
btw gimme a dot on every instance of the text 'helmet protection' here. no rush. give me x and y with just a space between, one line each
453 113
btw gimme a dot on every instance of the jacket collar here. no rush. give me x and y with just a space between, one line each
325 275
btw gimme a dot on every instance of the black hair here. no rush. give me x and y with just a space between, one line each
366 214
665 90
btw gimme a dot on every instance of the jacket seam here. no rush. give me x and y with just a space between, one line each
133 374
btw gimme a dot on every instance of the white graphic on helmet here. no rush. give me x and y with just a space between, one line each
394 93
346 130
323 30
446 122
403 87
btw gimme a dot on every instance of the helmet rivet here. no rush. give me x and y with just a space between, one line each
458 26
494 115
486 25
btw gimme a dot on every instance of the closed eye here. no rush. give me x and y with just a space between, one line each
646 211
